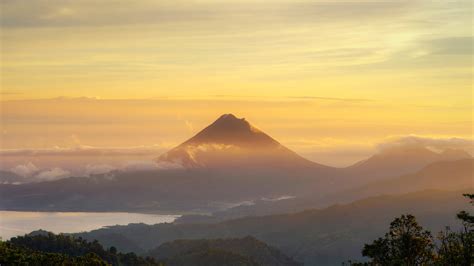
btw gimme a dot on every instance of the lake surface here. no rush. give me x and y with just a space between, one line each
14 223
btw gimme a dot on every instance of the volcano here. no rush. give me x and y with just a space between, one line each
230 130
234 142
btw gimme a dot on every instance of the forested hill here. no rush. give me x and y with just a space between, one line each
44 248
249 249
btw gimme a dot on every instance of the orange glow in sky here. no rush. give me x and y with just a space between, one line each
329 79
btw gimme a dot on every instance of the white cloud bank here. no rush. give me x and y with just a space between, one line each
52 174
31 173
25 170
32 169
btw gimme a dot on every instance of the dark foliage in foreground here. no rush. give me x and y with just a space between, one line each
44 248
15 255
210 257
63 249
407 243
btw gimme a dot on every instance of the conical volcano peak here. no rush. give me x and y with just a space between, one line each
233 142
230 122
230 130
228 117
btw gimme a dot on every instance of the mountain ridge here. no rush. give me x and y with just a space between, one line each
431 177
400 160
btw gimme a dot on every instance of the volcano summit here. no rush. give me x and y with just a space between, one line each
234 142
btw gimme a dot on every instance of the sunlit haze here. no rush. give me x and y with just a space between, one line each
331 80
238 132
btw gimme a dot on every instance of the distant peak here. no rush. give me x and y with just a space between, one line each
228 129
228 116
231 122
232 142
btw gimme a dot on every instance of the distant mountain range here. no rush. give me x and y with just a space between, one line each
227 163
400 160
445 175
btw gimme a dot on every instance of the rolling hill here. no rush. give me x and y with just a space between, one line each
194 252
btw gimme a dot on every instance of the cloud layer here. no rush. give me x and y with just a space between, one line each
246 47
85 151
56 13
36 165
438 144
29 172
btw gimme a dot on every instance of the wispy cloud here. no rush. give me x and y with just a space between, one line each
329 99
345 152
458 45
85 151
118 12
91 13
29 172
245 46
428 142
52 174
25 170
4 92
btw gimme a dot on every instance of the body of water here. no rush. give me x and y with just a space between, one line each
14 223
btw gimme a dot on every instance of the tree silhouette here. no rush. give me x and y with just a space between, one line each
456 248
405 244
408 244
51 249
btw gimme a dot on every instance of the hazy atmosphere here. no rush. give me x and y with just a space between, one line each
185 115
331 80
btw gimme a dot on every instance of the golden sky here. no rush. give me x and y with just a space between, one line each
329 79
